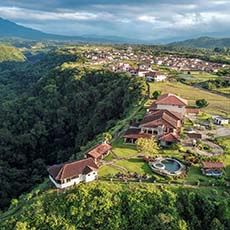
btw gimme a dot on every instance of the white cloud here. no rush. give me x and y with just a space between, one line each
21 13
147 18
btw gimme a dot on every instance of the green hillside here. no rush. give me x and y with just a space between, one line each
9 53
49 110
121 206
203 42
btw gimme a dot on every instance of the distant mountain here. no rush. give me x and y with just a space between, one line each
203 42
10 29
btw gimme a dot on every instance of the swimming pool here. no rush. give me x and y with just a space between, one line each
167 166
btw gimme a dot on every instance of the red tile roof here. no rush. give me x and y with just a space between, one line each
99 150
136 133
212 165
169 137
72 169
171 99
160 117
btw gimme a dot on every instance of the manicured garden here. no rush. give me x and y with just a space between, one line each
124 160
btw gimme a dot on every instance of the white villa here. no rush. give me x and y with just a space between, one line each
68 174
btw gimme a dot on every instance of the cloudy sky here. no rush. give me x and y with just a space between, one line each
139 19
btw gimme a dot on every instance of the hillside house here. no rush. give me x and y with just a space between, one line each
159 122
99 151
170 102
68 174
212 168
155 76
132 134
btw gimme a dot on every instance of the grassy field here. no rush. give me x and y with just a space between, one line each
217 104
196 77
107 170
124 150
225 90
135 165
225 143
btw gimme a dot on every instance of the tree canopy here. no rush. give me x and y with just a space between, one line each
48 112
147 146
102 206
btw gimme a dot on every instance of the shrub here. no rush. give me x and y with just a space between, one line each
201 103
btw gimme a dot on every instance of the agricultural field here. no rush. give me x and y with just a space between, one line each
197 77
218 105
225 90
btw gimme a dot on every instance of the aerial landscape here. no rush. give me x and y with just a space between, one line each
115 115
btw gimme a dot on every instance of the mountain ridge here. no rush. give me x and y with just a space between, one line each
9 29
203 42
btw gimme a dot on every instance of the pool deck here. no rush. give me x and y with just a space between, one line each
164 172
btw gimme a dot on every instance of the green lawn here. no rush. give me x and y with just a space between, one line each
195 175
107 170
217 104
124 150
135 165
225 143
109 157
171 153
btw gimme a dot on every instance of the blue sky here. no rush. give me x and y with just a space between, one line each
139 19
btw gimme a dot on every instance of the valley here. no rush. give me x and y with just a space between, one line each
61 102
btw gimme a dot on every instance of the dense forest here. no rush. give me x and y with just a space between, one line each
48 112
127 206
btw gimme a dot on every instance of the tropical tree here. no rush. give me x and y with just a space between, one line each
156 94
107 137
147 146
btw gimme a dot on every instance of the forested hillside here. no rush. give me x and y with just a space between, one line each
48 112
9 53
127 206
204 42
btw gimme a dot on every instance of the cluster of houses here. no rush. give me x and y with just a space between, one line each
162 121
117 57
142 70
105 55
187 64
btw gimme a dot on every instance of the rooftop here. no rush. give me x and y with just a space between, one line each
72 169
212 165
99 150
171 99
